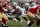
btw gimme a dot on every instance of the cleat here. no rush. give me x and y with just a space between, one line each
15 20
21 21
28 22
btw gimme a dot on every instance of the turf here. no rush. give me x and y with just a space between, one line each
23 24
11 23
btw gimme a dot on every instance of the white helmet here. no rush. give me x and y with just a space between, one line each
33 4
15 4
27 5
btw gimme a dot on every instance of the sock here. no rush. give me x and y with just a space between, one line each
25 18
14 19
18 18
5 22
30 24
38 22
10 18
0 21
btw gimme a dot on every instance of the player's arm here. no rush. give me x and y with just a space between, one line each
18 11
1 4
38 14
38 11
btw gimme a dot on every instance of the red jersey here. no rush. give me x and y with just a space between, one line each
34 8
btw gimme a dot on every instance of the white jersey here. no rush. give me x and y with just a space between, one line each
22 9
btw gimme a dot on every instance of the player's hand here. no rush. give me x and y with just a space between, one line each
38 16
10 13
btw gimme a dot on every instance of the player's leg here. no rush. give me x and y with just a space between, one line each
5 18
4 23
38 22
31 22
11 18
17 16
31 18
0 18
25 18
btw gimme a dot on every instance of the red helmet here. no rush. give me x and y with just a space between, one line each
4 2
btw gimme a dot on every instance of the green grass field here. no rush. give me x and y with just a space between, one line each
23 24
